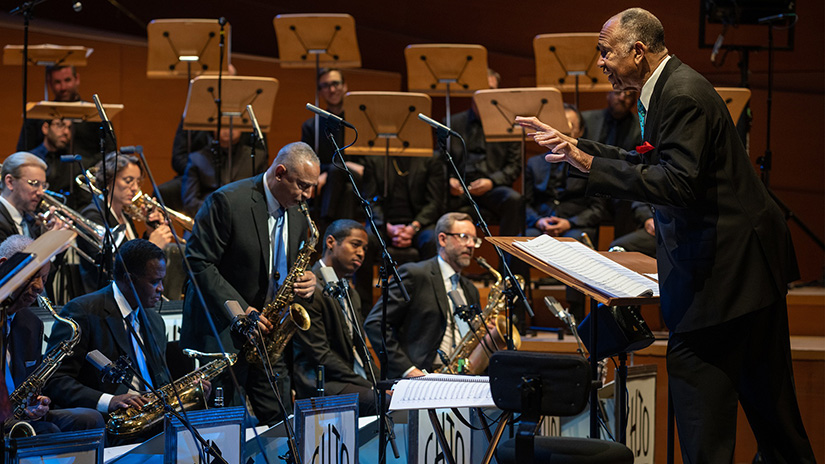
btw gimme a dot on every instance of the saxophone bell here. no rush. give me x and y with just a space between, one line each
22 429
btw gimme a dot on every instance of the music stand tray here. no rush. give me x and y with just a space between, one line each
42 250
498 108
392 116
568 62
48 55
76 111
307 40
174 45
439 69
736 98
201 112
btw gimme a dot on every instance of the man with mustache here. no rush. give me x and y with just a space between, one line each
417 330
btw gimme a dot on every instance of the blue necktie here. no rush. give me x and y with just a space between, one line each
279 267
140 356
642 114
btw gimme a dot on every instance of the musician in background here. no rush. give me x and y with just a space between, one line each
112 322
123 177
23 333
247 236
427 324
336 339
60 176
24 181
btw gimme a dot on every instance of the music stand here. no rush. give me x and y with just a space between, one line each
75 111
172 42
201 112
634 261
40 252
498 108
389 116
47 55
736 98
561 56
446 69
329 38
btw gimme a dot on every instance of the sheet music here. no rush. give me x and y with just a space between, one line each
434 391
590 267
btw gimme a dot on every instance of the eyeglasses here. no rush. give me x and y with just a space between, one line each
467 238
330 84
37 184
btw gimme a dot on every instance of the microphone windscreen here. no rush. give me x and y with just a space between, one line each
456 298
329 276
98 360
233 309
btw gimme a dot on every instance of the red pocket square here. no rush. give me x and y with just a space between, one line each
644 148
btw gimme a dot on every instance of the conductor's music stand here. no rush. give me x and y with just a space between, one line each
313 40
498 108
47 55
39 252
736 98
201 112
389 116
446 69
173 42
560 57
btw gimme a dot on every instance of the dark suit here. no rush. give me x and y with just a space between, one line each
8 227
24 345
77 382
328 343
725 257
229 253
90 272
415 329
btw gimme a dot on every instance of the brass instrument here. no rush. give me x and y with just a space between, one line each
285 315
472 354
141 203
31 387
86 229
129 421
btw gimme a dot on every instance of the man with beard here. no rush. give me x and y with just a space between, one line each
417 330
57 137
23 182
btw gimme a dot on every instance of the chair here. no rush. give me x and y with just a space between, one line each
542 384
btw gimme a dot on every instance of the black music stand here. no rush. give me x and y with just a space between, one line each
562 56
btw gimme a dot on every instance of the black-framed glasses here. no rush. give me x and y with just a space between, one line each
467 238
330 84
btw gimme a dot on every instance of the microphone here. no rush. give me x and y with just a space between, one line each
442 129
103 118
242 323
460 306
556 308
112 373
770 19
222 21
330 279
257 128
718 44
77 7
332 118
70 158
131 150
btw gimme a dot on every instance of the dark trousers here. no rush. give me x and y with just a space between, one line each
748 361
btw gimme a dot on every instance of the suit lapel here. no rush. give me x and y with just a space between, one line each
438 285
656 109
260 216
114 319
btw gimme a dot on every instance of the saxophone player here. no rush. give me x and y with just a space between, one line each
246 237
23 336
419 329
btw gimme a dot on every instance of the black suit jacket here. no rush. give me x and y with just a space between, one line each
502 160
328 342
77 383
25 342
8 227
425 183
597 128
723 247
229 254
415 329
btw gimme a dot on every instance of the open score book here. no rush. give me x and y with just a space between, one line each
436 391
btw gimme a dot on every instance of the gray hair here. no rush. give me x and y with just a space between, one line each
293 154
639 25
16 162
14 244
445 223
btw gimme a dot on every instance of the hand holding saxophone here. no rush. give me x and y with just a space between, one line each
305 285
38 407
127 400
264 325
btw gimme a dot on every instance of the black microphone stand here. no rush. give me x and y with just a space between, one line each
388 264
513 291
25 9
217 151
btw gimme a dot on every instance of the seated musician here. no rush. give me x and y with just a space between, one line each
24 341
427 324
335 339
123 182
112 322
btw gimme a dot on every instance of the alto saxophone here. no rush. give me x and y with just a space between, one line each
286 316
33 384
129 421
472 354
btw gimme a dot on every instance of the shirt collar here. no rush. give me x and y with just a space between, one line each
272 204
14 212
650 85
447 271
120 299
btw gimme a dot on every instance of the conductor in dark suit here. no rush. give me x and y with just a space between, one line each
23 331
336 337
104 318
417 330
724 252
246 237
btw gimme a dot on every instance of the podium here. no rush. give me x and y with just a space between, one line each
634 261
175 42
736 99
568 62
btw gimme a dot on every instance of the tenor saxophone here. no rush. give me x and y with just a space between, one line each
472 354
286 316
129 421
33 384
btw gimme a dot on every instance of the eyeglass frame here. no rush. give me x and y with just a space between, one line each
330 84
37 184
462 237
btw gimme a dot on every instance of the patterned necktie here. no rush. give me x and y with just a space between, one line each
642 114
278 252
140 356
462 326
